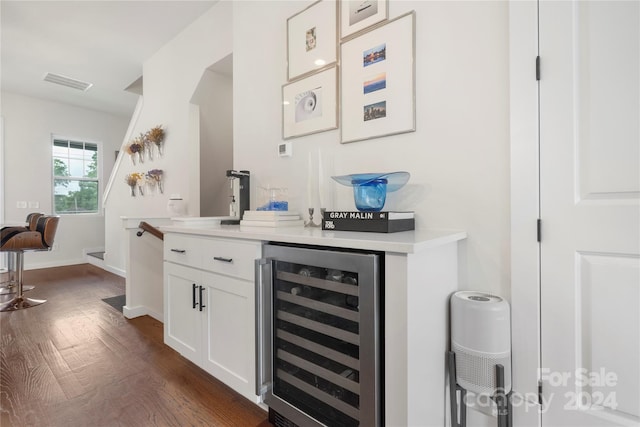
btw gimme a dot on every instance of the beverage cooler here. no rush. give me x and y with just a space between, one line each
319 336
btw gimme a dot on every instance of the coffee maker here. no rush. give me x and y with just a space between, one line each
240 199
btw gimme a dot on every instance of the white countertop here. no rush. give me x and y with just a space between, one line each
403 242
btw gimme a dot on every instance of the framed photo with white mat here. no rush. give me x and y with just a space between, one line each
310 105
356 15
377 89
312 39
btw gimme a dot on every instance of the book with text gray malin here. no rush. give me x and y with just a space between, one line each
378 222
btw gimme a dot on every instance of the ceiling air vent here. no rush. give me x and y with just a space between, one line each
67 81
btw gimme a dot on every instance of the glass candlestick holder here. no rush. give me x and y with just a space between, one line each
310 223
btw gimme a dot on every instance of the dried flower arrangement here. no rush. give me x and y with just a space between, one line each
136 149
156 136
135 179
154 177
145 142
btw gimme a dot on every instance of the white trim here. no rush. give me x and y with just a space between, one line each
2 157
50 264
132 223
525 280
3 262
100 177
77 261
122 153
141 310
91 259
117 271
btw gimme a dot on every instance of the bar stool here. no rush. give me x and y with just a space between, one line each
19 240
10 286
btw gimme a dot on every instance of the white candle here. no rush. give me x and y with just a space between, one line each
309 184
320 180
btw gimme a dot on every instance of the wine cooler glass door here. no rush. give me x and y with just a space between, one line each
324 337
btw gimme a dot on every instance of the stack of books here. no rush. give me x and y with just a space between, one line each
273 219
378 222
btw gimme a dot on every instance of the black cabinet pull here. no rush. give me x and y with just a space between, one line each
193 296
201 304
180 251
219 258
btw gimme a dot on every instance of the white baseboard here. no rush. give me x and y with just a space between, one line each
39 265
95 261
140 310
114 270
86 251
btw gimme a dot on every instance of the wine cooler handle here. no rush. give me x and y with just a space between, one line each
263 278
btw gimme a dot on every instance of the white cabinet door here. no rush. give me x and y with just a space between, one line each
182 318
589 204
229 331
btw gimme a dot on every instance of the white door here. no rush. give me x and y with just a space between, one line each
589 206
229 349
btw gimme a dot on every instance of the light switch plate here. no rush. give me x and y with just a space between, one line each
34 205
21 204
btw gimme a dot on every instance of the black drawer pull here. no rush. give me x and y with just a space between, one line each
219 258
193 296
201 300
180 251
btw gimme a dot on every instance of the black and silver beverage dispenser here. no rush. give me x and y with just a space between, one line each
240 196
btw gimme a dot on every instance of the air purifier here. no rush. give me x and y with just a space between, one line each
480 356
480 339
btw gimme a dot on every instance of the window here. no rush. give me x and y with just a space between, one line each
75 177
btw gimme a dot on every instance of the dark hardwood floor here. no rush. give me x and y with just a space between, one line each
75 361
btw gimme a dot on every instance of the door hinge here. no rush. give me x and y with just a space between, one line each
538 68
539 230
540 392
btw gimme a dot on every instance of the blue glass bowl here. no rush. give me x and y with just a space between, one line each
370 189
370 195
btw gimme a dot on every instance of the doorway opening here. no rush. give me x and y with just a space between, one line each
213 104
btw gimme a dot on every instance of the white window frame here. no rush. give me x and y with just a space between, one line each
99 144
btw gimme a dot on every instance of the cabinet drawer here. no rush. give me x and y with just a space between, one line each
183 249
230 257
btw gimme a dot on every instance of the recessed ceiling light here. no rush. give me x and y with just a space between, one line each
67 81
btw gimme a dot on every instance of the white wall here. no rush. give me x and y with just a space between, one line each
171 78
29 124
214 97
459 155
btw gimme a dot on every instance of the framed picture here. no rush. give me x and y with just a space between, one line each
310 105
378 81
312 39
356 15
